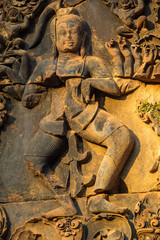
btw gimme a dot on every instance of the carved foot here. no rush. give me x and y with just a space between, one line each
126 85
66 209
99 204
63 211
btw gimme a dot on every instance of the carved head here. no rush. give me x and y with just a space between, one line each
68 31
126 4
14 15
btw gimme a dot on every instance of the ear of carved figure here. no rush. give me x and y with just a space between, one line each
69 32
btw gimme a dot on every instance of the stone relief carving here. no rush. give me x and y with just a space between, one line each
130 13
81 116
14 60
69 228
61 134
109 226
16 16
146 222
134 53
103 226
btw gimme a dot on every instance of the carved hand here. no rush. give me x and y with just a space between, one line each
136 51
123 45
86 90
149 55
112 47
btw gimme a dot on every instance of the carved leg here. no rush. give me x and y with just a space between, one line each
120 144
66 209
42 148
99 203
107 131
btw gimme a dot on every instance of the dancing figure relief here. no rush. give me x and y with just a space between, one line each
81 116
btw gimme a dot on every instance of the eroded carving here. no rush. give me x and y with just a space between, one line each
146 222
109 226
16 16
135 54
81 74
60 229
130 13
81 118
103 226
70 228
29 235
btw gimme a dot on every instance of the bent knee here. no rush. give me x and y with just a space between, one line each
127 137
122 139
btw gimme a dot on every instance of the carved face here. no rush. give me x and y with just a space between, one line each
13 14
126 4
68 34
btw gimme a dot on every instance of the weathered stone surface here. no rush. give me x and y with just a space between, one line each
71 80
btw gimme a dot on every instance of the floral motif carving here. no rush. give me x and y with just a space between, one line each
147 223
69 229
101 227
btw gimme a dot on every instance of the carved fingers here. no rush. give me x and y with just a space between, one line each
112 47
124 46
136 51
86 90
149 53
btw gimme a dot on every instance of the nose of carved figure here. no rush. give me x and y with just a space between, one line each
68 36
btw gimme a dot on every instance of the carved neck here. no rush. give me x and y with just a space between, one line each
68 55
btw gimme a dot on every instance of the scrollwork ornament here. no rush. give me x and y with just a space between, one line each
69 229
147 223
